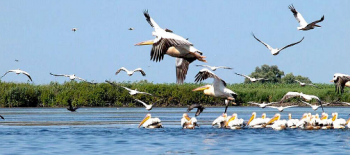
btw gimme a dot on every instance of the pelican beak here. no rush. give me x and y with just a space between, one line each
332 81
232 118
303 117
251 118
273 119
323 117
317 25
144 120
200 88
148 42
334 118
347 122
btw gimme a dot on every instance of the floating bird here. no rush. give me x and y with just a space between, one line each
131 72
148 107
250 78
220 121
282 108
338 123
340 80
214 68
187 122
257 122
217 89
301 95
277 123
199 107
71 77
262 105
304 84
150 123
71 108
292 123
314 107
303 24
2 117
74 29
131 29
276 51
18 71
234 123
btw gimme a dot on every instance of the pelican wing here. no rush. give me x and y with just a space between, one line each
307 103
150 20
224 67
161 46
298 16
7 72
140 70
59 75
128 89
268 46
27 74
317 21
113 84
291 44
346 103
2 117
79 78
145 93
205 73
193 106
253 103
243 75
298 81
141 102
289 95
272 107
181 69
121 69
203 66
290 106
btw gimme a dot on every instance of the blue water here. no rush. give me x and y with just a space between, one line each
114 131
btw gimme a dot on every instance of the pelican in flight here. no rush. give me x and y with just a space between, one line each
280 108
301 95
262 105
220 121
315 107
71 77
150 123
74 29
187 122
217 89
304 84
2 117
276 51
303 24
134 92
340 80
199 107
18 71
234 123
148 107
214 68
131 72
250 78
131 29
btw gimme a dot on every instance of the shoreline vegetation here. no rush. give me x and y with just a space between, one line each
83 94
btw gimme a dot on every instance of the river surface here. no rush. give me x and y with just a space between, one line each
40 131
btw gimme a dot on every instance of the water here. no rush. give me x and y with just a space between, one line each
114 131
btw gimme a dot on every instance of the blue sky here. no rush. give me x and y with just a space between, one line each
38 34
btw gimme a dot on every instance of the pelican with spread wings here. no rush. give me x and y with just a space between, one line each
281 108
301 95
214 68
199 107
303 24
130 73
250 78
304 84
18 71
71 77
262 105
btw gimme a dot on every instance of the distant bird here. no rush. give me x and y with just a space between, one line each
340 80
134 92
71 77
149 122
301 95
250 78
303 24
214 68
18 71
71 108
315 107
16 60
74 29
2 117
304 84
262 105
148 107
217 89
130 73
282 108
276 51
131 28
199 107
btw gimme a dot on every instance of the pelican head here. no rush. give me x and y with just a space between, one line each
263 115
148 42
185 115
304 116
148 116
274 118
233 117
252 117
289 116
317 117
204 88
335 116
324 116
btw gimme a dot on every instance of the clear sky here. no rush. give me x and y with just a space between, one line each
38 34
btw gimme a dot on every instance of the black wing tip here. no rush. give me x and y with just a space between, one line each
145 12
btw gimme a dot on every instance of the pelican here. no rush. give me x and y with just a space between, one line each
2 117
338 123
280 109
74 29
276 51
262 105
234 123
250 78
277 123
292 123
304 84
188 123
18 71
340 80
301 95
131 72
71 77
257 122
325 123
220 121
199 107
218 89
148 107
303 24
315 107
134 92
151 123
131 29
214 68
71 108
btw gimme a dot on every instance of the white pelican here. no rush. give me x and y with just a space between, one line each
303 24
188 123
276 51
250 78
277 123
234 123
214 68
218 89
71 77
340 80
338 123
148 107
280 108
304 84
325 123
315 107
301 95
220 121
292 123
262 105
199 107
257 122
134 92
74 29
131 72
151 123
315 120
18 71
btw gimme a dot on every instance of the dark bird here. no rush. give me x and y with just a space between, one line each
71 108
2 117
199 107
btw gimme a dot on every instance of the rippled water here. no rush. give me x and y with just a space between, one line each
114 131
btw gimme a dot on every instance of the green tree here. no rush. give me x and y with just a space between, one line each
290 78
267 72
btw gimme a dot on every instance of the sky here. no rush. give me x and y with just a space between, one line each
38 34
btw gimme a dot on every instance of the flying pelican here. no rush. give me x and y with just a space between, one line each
340 80
303 24
131 29
304 84
315 107
276 51
292 123
131 72
250 78
150 123
2 117
277 123
18 71
199 107
188 123
214 68
134 92
220 121
262 105
148 107
218 89
71 77
71 108
74 29
282 108
301 95
234 123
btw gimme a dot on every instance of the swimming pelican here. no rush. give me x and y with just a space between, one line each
234 123
276 51
280 108
257 122
292 123
262 105
18 71
214 68
250 78
71 77
188 123
277 123
218 89
150 123
220 121
338 123
199 107
131 72
303 24
340 80
148 107
325 123
315 107
301 95
74 29
304 84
